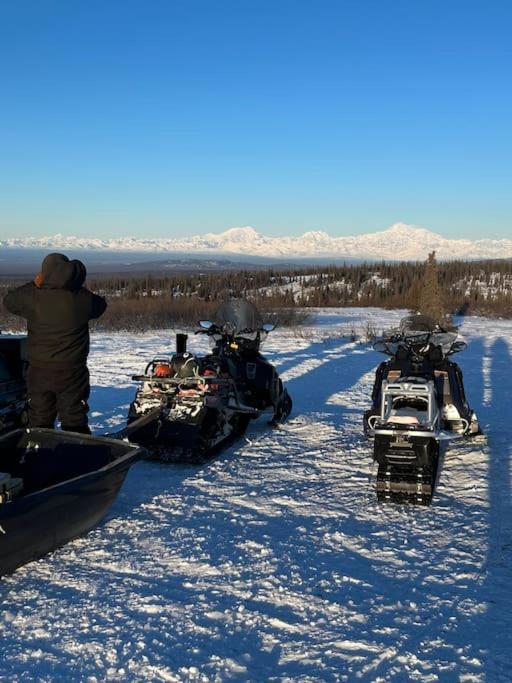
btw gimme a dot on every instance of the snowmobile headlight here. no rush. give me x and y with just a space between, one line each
234 345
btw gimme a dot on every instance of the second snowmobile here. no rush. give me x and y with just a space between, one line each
418 401
191 406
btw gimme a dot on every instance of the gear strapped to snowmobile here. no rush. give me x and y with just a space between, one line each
13 390
187 406
418 401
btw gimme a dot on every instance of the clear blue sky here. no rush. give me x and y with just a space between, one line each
180 117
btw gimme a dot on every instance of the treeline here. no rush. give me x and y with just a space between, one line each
483 288
136 302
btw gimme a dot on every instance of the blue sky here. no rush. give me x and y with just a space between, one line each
173 118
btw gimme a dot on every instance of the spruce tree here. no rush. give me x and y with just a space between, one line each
431 299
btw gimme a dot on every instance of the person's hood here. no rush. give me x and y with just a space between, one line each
58 272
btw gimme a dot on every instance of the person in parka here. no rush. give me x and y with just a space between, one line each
58 308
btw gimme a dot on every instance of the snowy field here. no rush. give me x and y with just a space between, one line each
274 562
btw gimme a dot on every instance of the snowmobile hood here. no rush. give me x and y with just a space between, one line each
241 314
58 272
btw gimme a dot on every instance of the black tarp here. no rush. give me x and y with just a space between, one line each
240 314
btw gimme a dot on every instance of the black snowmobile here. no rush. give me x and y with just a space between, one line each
418 401
13 390
188 407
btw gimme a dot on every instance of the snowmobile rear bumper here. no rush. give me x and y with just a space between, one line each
403 449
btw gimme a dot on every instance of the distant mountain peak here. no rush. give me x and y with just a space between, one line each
400 228
246 232
316 235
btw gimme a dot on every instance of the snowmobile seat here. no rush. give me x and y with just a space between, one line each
401 362
402 354
409 411
404 419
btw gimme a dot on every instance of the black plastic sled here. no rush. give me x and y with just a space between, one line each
55 486
13 390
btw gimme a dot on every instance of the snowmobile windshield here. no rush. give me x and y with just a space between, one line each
386 345
447 342
418 323
238 317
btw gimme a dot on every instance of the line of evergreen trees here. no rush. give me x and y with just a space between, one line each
483 287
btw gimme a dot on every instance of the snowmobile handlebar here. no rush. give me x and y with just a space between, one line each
418 344
228 331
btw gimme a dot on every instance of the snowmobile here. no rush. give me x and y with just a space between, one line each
418 402
198 404
13 390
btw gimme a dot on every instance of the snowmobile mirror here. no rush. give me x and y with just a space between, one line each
205 324
268 327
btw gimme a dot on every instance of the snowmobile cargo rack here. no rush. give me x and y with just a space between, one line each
69 482
224 382
178 381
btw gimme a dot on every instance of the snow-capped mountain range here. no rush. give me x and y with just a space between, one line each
399 242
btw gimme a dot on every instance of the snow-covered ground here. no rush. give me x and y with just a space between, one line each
274 562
